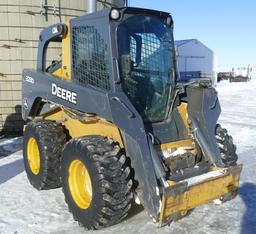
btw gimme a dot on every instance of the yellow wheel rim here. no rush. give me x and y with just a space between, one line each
80 184
33 155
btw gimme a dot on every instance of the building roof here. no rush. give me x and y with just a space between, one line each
179 43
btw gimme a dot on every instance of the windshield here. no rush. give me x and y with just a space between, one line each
145 46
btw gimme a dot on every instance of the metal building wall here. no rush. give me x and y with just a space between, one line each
20 24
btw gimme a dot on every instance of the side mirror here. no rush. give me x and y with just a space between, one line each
126 65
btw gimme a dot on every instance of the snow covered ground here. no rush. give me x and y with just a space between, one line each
25 210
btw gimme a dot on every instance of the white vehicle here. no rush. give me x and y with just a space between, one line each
240 74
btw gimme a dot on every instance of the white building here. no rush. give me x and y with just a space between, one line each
195 60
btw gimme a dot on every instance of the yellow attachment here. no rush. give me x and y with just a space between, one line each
182 196
66 55
78 128
182 108
80 185
33 155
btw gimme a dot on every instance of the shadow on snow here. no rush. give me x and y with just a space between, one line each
248 193
10 147
8 171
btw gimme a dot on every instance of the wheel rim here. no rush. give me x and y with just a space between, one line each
33 155
80 185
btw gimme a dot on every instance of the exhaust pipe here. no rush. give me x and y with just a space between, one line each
92 6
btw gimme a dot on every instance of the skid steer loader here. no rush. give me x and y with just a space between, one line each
111 123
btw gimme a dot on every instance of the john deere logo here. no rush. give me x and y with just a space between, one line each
64 94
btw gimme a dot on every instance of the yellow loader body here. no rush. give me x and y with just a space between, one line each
182 196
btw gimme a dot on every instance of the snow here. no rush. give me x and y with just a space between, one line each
26 210
205 177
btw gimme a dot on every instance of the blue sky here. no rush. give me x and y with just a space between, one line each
226 26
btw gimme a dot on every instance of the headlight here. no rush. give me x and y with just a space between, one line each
115 14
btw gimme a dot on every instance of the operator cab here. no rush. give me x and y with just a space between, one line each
146 58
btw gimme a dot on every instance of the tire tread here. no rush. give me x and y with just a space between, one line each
52 139
226 146
114 179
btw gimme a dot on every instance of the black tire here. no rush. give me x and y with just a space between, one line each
50 139
111 181
226 146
